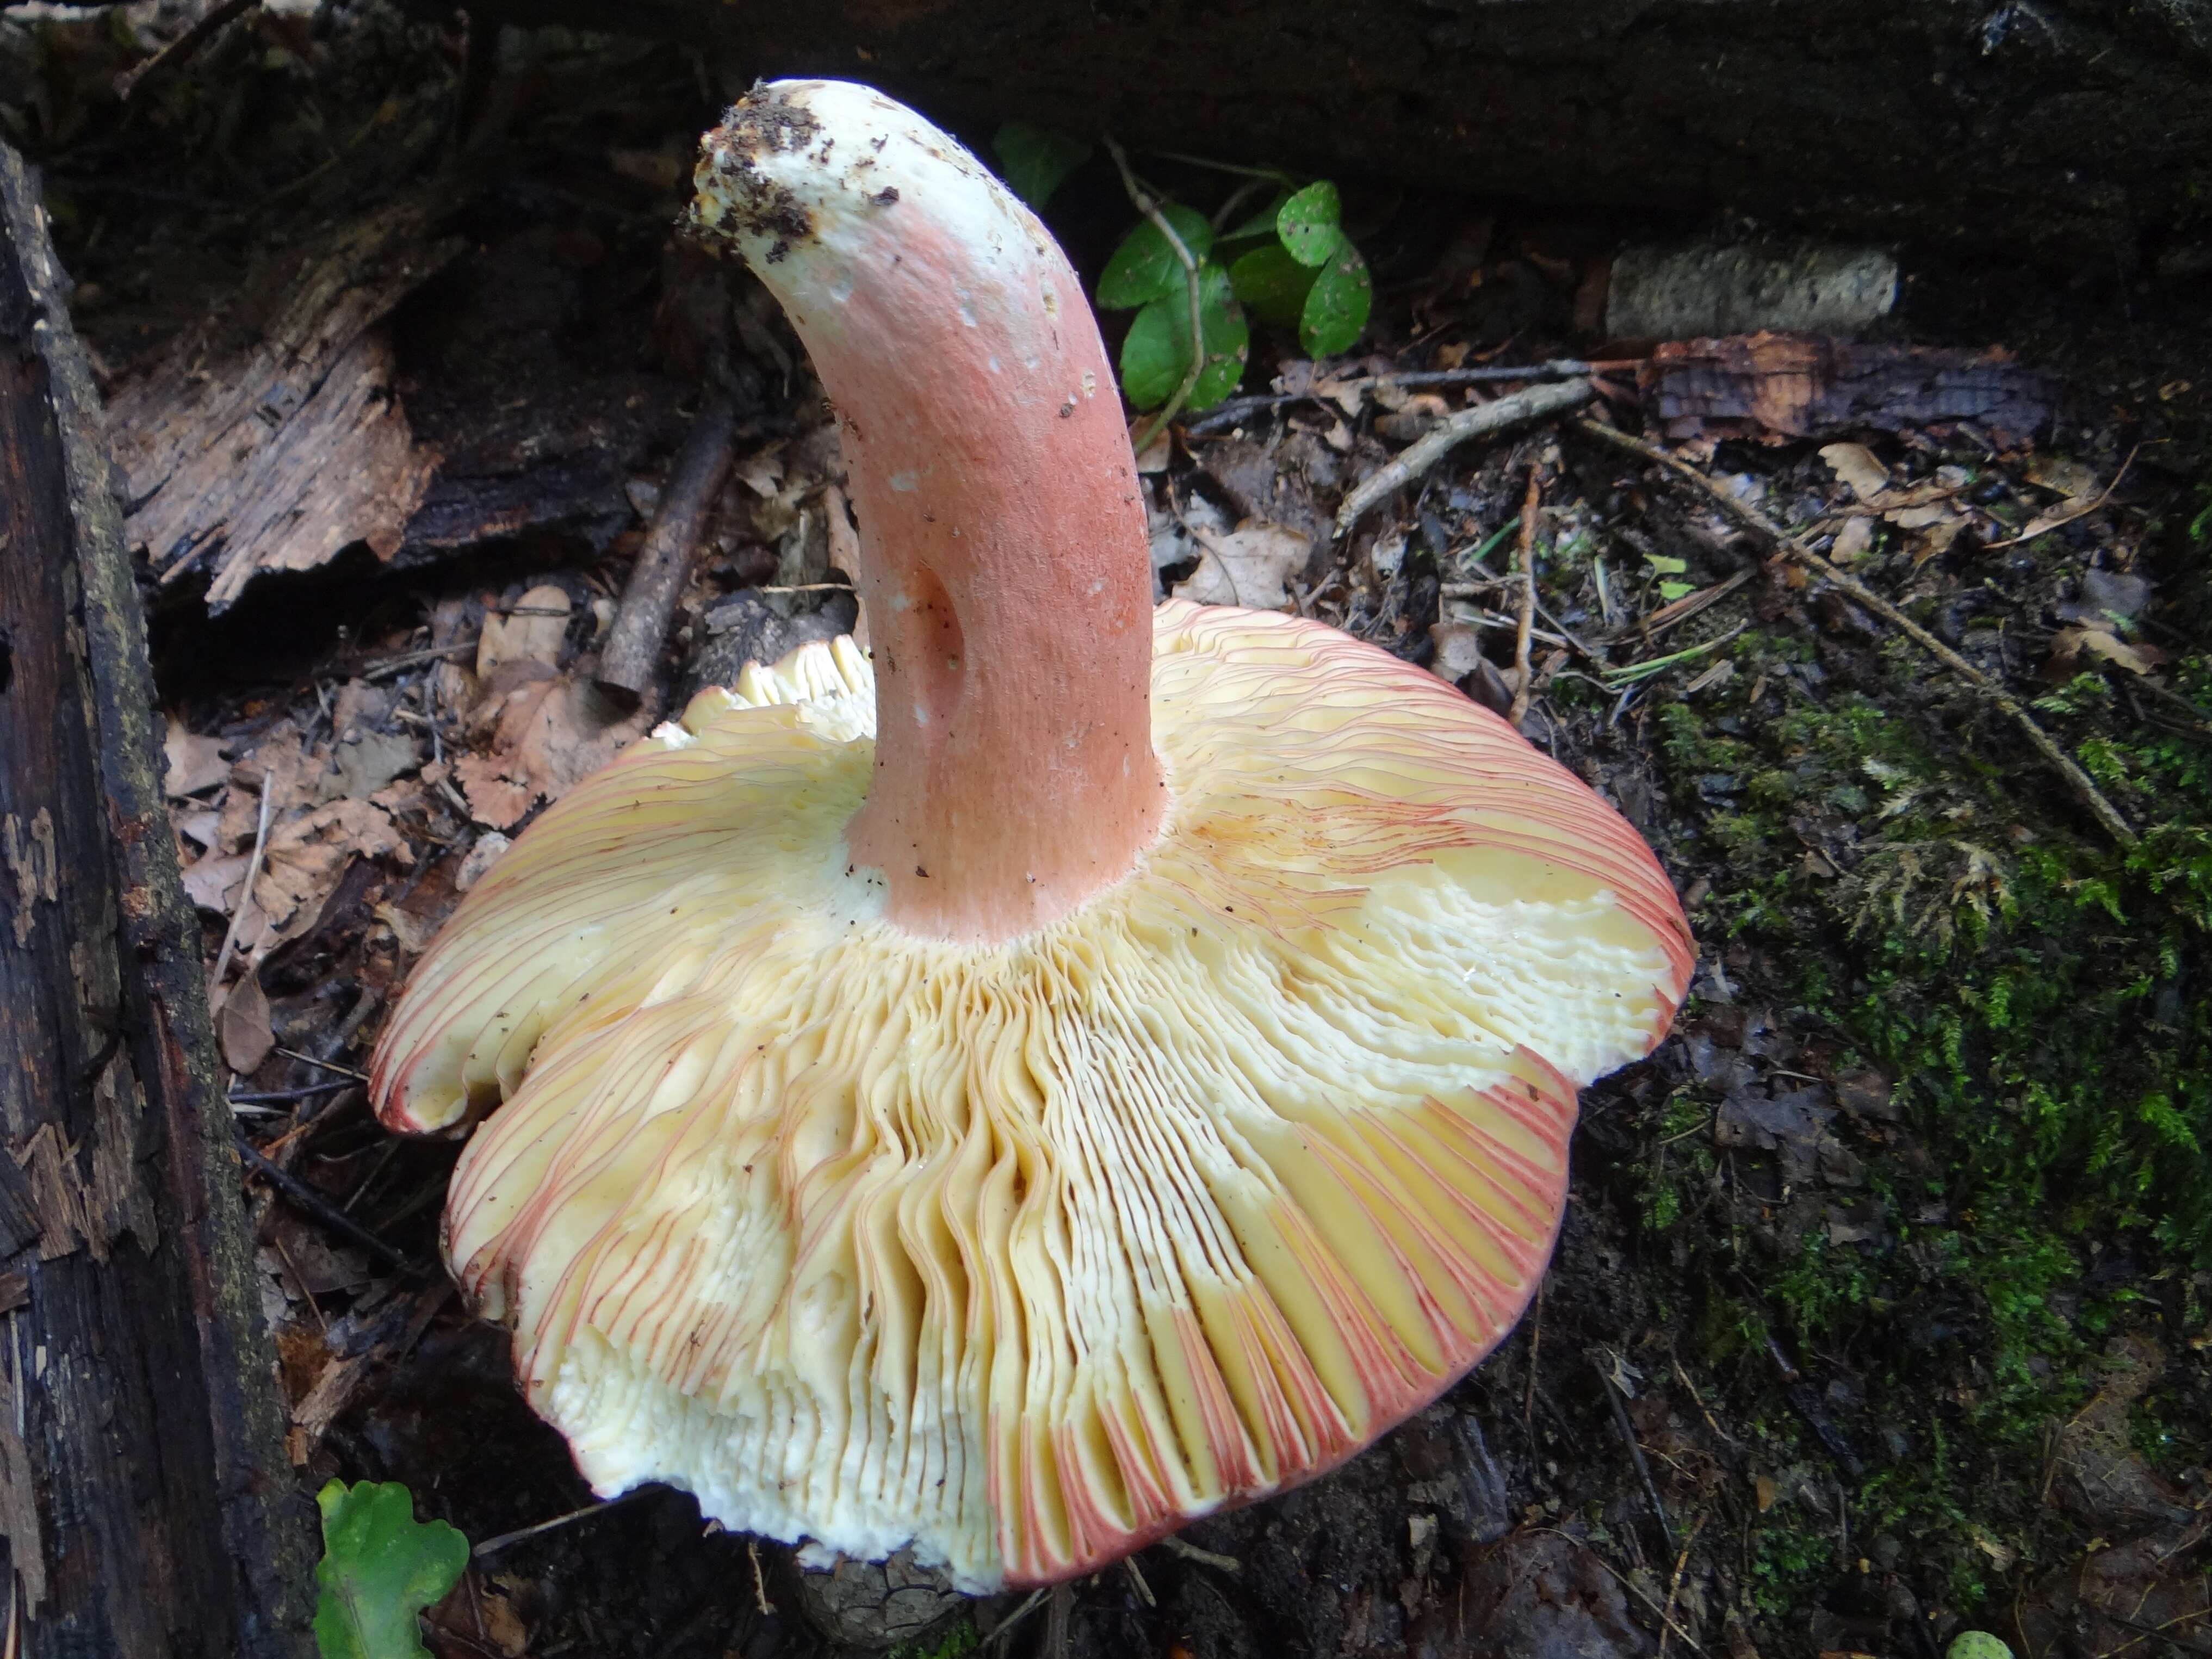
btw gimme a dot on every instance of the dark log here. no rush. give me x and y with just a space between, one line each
149 1509
2081 128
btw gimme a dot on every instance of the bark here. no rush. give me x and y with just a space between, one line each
147 1503
2081 127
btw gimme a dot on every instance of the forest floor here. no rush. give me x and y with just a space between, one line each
1883 1309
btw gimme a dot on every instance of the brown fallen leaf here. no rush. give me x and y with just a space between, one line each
242 1025
1855 464
547 736
307 858
1251 566
212 883
530 632
1852 540
191 764
2069 643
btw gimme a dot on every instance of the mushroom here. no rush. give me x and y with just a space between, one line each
1074 1068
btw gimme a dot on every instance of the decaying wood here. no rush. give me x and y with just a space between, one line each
1781 386
148 1506
270 438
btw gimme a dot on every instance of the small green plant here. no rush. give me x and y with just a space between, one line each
1291 263
380 1568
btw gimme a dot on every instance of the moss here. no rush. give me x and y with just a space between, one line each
2038 998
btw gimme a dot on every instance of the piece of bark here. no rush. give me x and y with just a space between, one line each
1779 386
270 438
149 1509
631 660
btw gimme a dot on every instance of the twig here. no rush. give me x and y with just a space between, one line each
1147 205
1535 404
629 663
323 1065
321 1209
760 1580
1190 1552
186 45
377 670
1527 619
306 1091
2035 529
492 1546
245 894
1556 368
1675 1587
2085 790
1632 1587
1621 1420
1005 1627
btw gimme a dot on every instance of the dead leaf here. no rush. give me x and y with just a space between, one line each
546 738
413 933
1852 540
761 472
2069 643
199 828
2056 473
191 764
1764 1489
212 883
1855 464
531 632
242 1025
367 761
306 857
1251 566
1936 540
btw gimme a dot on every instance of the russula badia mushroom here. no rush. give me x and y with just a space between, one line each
1086 1065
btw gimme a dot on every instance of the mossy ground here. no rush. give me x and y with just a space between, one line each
1920 899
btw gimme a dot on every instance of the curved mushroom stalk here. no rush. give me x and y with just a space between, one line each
1020 1230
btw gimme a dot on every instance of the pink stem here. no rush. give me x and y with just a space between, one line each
1005 567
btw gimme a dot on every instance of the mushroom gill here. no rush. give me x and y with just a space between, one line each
991 1175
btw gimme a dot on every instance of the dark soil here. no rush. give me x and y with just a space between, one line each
1883 1309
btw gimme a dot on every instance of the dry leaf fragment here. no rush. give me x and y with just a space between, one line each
2067 477
308 856
212 883
2069 643
531 632
191 764
1852 540
1855 464
242 1025
1251 566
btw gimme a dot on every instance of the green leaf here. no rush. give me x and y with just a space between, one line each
1035 161
1311 225
1156 355
1672 591
1145 268
1336 305
1667 565
1272 283
379 1569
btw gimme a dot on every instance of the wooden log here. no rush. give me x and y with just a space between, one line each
149 1509
2072 130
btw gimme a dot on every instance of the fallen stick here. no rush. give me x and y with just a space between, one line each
1527 619
2084 789
628 664
1452 431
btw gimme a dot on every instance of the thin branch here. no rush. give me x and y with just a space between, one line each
2083 787
246 893
1530 504
1535 404
493 1546
184 46
306 1197
1147 204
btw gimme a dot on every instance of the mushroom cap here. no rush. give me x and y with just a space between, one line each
1025 1254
